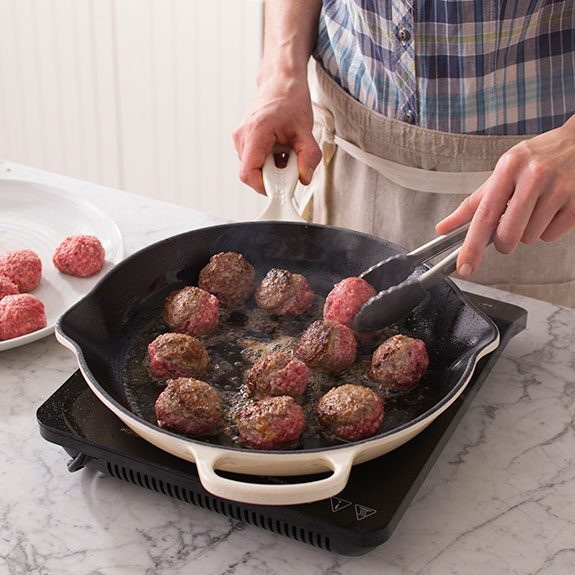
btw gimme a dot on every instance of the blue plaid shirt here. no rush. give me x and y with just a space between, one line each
464 66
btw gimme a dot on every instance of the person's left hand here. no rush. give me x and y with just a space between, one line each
534 185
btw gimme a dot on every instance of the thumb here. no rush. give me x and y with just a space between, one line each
308 157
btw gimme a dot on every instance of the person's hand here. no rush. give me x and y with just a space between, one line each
280 114
533 184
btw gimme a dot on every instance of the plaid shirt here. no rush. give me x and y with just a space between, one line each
463 66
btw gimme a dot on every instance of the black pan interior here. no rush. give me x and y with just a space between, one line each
111 321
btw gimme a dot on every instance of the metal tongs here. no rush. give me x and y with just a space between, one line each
400 293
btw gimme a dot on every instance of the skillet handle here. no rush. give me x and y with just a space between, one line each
280 173
207 460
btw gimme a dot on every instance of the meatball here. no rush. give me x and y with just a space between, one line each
23 267
189 406
284 293
399 361
277 374
328 345
271 423
346 298
229 277
350 412
7 287
192 310
177 355
79 256
20 314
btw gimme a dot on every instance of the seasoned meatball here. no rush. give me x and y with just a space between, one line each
271 423
328 345
79 256
277 374
192 310
346 298
284 293
7 287
20 314
229 277
23 267
350 412
399 361
189 406
177 355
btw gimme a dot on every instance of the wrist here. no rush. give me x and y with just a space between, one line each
283 69
570 125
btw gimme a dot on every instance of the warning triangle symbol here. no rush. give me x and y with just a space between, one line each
362 512
338 504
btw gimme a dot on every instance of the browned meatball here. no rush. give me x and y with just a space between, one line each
177 355
229 277
192 310
189 406
399 361
350 412
327 344
271 423
277 374
284 293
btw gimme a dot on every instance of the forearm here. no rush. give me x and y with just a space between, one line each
290 32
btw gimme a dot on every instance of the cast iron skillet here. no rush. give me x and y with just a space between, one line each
102 327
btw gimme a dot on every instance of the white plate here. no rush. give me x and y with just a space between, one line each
38 217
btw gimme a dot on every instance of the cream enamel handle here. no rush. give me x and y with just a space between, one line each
207 460
280 183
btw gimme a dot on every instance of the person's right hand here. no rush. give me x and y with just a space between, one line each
280 114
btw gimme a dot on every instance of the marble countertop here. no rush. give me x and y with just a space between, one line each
500 498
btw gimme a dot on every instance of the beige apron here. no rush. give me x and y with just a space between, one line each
396 181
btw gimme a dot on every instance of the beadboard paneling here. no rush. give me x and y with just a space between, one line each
137 94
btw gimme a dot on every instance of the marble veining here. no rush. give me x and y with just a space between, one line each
500 499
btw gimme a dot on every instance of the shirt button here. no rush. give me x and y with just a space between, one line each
404 35
409 117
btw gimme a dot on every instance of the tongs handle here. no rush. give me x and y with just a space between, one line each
438 245
441 269
397 300
396 269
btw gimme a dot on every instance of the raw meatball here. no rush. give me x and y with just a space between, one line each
229 277
177 355
399 361
20 314
345 299
277 374
350 412
284 293
79 256
189 406
327 344
23 267
7 287
271 423
192 310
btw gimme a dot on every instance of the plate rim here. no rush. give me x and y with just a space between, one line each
77 200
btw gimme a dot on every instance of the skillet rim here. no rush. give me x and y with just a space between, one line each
87 373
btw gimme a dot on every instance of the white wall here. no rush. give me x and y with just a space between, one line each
137 94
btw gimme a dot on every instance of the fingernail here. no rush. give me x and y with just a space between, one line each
465 270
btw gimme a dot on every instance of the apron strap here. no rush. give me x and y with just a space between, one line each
459 183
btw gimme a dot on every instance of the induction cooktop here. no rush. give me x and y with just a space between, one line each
358 519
